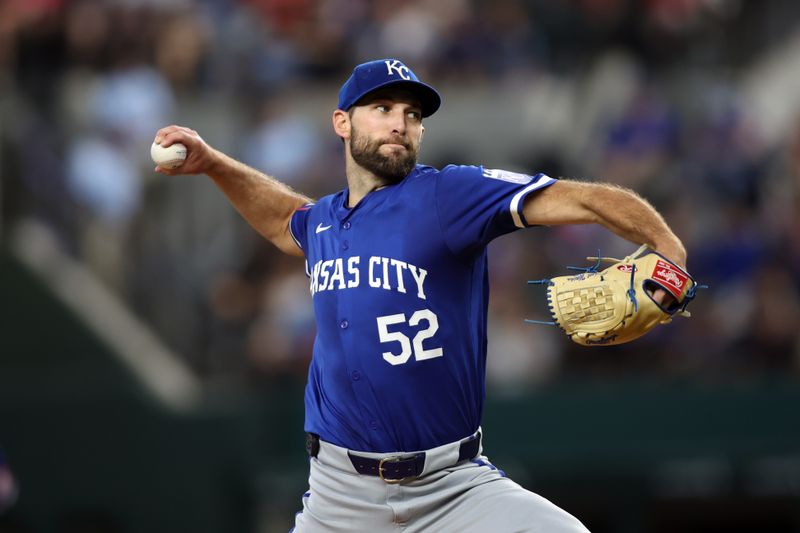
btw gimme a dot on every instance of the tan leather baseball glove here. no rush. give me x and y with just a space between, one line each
616 305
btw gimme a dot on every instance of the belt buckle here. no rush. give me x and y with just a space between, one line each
380 470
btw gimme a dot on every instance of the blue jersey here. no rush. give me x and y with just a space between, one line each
400 290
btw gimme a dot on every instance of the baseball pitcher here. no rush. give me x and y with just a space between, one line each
398 276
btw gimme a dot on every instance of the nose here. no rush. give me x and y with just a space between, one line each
398 122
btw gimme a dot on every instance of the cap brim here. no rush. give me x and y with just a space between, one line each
429 98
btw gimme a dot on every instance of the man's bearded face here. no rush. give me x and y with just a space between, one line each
392 166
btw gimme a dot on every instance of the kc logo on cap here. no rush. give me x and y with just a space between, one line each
397 66
374 75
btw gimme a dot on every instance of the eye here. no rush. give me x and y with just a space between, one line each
415 115
383 108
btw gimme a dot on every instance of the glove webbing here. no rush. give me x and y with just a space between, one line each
631 292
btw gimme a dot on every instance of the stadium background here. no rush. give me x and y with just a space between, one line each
153 349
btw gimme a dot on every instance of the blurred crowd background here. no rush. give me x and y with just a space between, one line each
692 103
695 104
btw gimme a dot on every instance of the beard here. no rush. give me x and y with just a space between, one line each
393 168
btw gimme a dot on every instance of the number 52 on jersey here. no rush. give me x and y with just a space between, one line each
409 346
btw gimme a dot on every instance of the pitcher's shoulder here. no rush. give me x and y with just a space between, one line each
428 171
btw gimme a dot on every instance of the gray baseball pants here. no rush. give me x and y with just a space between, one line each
471 496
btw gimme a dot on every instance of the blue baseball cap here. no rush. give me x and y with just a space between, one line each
368 77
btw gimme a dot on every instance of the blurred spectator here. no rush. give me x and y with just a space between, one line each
406 27
773 337
280 339
88 29
181 48
726 151
133 102
107 186
284 141
522 354
642 142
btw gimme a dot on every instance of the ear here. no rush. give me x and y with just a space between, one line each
341 123
421 133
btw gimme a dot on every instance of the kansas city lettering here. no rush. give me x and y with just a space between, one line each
383 273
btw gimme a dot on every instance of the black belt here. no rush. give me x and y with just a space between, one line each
395 469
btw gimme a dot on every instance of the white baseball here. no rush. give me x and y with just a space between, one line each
172 156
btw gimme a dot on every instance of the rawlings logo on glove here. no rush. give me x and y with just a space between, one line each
616 305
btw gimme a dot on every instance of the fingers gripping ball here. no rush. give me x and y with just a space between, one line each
172 156
616 305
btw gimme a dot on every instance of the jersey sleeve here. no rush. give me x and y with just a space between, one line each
477 204
298 224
